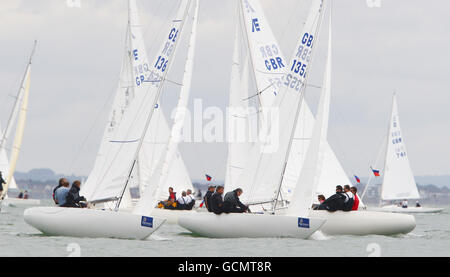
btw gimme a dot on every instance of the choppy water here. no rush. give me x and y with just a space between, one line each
430 238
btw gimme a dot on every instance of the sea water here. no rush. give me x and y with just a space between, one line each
431 237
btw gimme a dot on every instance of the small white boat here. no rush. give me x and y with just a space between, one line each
397 209
249 225
20 202
398 179
361 223
74 222
18 113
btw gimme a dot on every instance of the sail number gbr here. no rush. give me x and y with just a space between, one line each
297 75
163 59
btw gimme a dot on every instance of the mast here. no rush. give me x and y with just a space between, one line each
387 145
307 183
301 98
16 106
258 90
145 204
383 146
23 98
147 123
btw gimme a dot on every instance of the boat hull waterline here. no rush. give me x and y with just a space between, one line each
19 202
361 223
74 222
396 209
248 225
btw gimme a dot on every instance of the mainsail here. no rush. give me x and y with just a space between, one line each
270 71
398 179
309 176
20 111
138 88
161 174
238 124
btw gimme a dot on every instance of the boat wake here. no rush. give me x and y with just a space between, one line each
318 235
158 238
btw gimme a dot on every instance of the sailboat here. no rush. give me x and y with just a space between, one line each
398 179
155 140
261 183
120 159
266 165
19 112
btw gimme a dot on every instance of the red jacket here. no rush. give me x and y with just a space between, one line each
355 203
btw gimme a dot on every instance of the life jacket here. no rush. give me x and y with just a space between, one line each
349 204
355 203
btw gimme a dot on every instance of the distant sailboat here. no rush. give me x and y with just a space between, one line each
121 159
19 112
398 179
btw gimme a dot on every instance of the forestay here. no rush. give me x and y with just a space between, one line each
398 179
160 175
20 111
313 165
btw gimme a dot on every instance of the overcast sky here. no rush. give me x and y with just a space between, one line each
401 46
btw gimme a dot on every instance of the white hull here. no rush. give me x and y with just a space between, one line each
171 216
19 202
247 225
396 209
75 222
361 223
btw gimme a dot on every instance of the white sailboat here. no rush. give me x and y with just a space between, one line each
270 70
398 179
339 222
121 158
309 180
165 165
19 112
264 170
153 147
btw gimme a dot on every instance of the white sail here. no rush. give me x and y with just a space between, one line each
138 84
161 174
19 129
123 135
4 168
153 149
398 179
238 124
308 180
20 111
333 173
